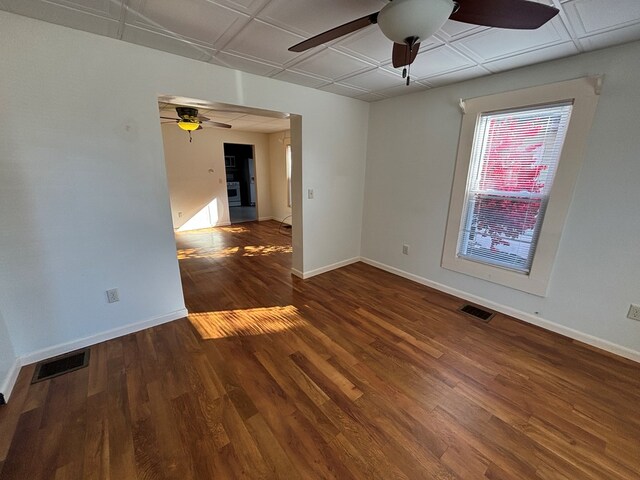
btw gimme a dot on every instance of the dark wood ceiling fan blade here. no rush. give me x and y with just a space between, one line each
199 128
171 118
203 119
403 54
336 32
218 124
517 14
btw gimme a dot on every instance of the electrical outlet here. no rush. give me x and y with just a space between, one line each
112 295
310 194
405 249
634 312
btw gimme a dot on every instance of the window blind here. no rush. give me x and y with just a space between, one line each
513 163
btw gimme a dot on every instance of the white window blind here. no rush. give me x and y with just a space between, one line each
513 163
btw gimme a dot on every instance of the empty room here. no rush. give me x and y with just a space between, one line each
259 239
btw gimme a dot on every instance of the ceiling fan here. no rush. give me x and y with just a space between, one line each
189 120
408 22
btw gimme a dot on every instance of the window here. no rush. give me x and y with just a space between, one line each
513 164
518 159
288 166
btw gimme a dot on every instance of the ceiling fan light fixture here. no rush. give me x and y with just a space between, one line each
188 126
400 20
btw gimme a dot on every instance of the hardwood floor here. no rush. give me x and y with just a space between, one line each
354 374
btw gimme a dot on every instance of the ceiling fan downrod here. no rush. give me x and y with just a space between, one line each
406 71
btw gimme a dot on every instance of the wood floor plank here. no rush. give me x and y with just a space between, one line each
353 374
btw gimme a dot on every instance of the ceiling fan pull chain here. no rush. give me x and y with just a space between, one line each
408 75
404 72
190 137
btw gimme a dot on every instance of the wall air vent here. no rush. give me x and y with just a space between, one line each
60 365
477 312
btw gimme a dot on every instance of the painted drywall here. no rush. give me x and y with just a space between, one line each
7 356
196 174
84 200
410 163
280 209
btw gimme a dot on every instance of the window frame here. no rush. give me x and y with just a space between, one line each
288 167
583 93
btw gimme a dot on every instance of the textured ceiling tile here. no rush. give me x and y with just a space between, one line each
589 17
311 17
612 37
438 61
199 28
105 8
300 79
370 43
341 89
494 44
166 43
452 30
457 76
402 89
238 62
332 64
204 22
247 6
79 19
374 80
370 97
530 58
266 42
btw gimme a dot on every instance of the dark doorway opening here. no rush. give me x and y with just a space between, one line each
240 170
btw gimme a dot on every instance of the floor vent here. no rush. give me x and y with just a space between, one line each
60 365
477 312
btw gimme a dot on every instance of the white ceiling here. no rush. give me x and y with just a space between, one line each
254 35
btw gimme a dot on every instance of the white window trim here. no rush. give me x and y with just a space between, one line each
584 94
288 168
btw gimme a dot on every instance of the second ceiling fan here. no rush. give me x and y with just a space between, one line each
190 120
408 22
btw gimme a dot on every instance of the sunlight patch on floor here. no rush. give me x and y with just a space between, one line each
234 229
246 322
250 251
246 251
209 252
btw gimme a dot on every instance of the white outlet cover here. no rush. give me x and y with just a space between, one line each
112 295
634 312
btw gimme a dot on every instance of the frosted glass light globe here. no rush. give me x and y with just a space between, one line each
402 19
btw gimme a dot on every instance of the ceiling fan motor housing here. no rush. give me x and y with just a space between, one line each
402 21
187 113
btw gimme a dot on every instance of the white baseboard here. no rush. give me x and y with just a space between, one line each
9 381
520 315
328 268
100 337
264 219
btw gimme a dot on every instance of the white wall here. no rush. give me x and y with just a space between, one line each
280 208
84 202
7 356
192 186
411 156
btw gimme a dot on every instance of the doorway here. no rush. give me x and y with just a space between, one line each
240 170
